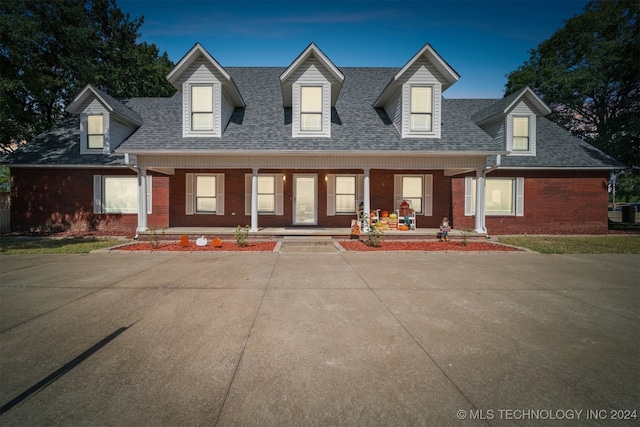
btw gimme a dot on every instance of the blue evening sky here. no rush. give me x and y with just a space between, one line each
483 40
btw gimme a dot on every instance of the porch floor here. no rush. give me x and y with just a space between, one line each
278 232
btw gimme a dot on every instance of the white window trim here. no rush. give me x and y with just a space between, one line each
296 111
84 133
427 192
532 135
98 194
279 194
187 128
518 197
432 113
190 190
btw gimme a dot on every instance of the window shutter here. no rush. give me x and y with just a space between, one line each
360 189
247 194
97 194
149 194
189 196
428 195
279 194
220 194
331 195
469 208
397 191
520 196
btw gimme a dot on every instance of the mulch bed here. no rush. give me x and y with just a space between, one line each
192 247
418 245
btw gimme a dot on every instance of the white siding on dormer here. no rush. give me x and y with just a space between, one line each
311 73
495 129
118 132
421 73
394 110
93 107
201 73
227 110
522 109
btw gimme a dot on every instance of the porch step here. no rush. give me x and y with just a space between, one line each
308 244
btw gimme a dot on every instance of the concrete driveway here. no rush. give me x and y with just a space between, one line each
353 339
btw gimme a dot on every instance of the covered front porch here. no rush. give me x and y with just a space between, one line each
174 233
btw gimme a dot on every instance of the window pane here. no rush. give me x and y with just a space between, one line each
206 204
520 126
202 121
421 100
499 196
205 186
345 203
421 122
202 98
311 99
95 141
520 143
311 122
120 194
346 185
266 203
266 185
94 125
411 186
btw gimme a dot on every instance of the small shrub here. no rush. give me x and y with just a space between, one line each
154 238
465 233
241 234
374 237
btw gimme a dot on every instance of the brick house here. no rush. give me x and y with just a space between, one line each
308 145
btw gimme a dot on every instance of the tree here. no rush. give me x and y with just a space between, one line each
50 50
589 73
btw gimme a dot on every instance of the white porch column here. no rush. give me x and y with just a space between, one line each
142 199
254 199
480 201
366 194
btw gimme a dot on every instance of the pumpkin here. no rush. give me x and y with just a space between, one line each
385 214
216 242
372 215
184 240
393 216
403 228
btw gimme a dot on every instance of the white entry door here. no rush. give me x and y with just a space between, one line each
305 199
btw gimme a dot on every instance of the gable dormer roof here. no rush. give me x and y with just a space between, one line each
109 102
507 103
428 53
312 51
196 52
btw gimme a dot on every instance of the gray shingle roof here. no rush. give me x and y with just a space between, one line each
119 108
264 124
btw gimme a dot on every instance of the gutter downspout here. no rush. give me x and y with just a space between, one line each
487 171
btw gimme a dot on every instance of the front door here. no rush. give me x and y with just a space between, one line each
305 199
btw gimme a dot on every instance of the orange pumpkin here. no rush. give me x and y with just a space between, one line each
385 214
403 228
216 242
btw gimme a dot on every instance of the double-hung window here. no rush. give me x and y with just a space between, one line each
412 191
95 131
266 193
502 196
206 193
520 134
202 108
120 194
311 108
345 194
421 109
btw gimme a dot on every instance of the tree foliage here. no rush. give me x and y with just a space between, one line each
589 73
50 50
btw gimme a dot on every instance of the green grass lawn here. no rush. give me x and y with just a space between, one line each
620 244
44 245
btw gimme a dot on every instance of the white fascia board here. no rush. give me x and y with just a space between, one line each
543 109
315 153
88 90
568 168
62 166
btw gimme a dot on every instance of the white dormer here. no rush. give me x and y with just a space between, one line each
513 120
209 94
310 87
104 121
413 97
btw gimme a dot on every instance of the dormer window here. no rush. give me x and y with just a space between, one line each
202 108
521 134
311 109
95 131
421 109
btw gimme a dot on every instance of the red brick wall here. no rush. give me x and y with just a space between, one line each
563 202
62 199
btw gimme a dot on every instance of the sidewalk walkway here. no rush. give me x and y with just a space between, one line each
324 339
